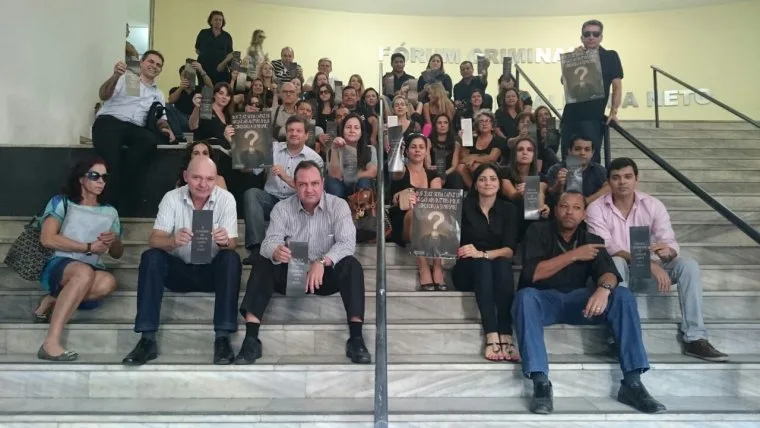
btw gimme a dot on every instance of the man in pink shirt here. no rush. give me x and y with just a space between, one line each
611 218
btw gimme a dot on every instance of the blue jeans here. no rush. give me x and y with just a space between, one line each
159 269
178 121
534 309
340 189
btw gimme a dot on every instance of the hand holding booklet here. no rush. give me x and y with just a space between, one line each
84 224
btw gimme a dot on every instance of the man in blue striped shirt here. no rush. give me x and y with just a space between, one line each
324 222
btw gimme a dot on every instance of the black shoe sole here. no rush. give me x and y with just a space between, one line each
150 357
624 400
710 359
542 410
354 360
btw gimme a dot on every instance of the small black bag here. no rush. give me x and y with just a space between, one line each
155 113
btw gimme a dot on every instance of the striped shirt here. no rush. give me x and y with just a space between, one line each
330 231
176 212
131 109
275 186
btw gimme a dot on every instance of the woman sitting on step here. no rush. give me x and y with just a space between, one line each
489 232
403 185
199 148
79 228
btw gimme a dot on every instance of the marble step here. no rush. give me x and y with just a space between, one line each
708 217
728 175
673 186
437 337
691 202
715 134
689 125
693 153
404 278
442 412
656 142
719 164
409 376
120 307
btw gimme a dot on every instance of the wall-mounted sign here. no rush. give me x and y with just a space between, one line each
421 55
669 98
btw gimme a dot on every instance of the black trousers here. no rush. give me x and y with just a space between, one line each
494 286
125 167
592 129
159 269
345 277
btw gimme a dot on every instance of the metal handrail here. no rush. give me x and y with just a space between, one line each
699 92
606 136
693 187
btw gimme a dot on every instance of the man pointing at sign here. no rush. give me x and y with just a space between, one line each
587 118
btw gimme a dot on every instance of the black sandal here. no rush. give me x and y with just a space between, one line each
427 287
441 287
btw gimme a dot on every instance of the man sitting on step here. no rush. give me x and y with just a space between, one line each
279 185
324 222
559 257
168 262
612 216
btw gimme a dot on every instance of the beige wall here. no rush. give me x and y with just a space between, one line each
709 47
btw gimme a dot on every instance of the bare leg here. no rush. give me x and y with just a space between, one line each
438 276
103 285
75 285
424 271
465 174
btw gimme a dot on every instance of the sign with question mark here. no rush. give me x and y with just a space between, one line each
582 76
436 223
251 145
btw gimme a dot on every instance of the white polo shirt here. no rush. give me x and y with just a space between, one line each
176 211
131 109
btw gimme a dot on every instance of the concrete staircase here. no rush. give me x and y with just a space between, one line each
437 375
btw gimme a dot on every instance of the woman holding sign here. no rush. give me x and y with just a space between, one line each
486 149
352 162
219 125
403 185
80 228
523 163
484 261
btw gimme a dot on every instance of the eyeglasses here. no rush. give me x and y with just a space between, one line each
95 176
588 34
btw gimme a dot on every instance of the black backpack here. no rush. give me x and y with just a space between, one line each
155 113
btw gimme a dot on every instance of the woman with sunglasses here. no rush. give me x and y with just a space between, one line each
403 186
325 107
76 274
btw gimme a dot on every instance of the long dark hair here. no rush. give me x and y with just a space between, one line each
363 152
451 137
478 172
230 107
314 86
73 188
512 166
188 156
320 103
375 111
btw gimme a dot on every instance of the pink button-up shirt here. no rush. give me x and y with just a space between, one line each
606 221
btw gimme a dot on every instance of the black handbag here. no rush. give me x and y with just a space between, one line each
27 256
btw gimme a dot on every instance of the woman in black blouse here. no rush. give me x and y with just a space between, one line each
445 142
325 110
506 116
220 124
523 163
487 147
485 260
214 48
403 186
435 73
547 137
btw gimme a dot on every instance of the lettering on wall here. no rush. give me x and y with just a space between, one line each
668 98
420 55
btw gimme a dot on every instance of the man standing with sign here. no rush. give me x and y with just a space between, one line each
587 117
324 221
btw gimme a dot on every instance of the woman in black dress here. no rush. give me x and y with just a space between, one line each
219 127
523 163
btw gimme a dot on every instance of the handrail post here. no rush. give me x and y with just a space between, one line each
517 77
381 323
656 100
607 148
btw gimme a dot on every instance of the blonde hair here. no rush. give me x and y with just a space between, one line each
360 91
393 105
260 69
442 103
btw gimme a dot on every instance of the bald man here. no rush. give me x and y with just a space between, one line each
167 264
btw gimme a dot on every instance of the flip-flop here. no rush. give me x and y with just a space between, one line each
66 356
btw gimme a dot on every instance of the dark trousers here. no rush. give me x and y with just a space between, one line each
592 129
177 120
494 286
534 309
159 269
346 277
124 166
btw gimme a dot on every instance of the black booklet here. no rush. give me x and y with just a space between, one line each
292 70
207 100
252 142
437 222
482 65
640 255
202 244
331 131
298 268
235 63
188 73
582 76
552 135
132 76
440 163
506 66
339 92
574 180
311 129
531 201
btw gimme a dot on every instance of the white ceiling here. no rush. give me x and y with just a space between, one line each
491 8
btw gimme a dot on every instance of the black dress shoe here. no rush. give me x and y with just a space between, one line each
357 351
543 398
145 350
223 353
637 396
250 351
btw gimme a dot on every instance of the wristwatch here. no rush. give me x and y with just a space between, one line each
606 286
485 255
322 260
88 252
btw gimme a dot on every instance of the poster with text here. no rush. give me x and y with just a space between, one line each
582 76
132 76
436 223
252 143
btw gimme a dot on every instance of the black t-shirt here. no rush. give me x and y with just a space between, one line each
499 230
212 50
185 101
436 147
594 109
406 181
507 123
398 81
211 128
543 242
463 91
443 78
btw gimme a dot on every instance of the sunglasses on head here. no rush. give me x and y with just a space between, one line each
95 176
588 34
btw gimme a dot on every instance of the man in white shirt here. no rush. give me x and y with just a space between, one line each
258 203
121 121
167 264
324 66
